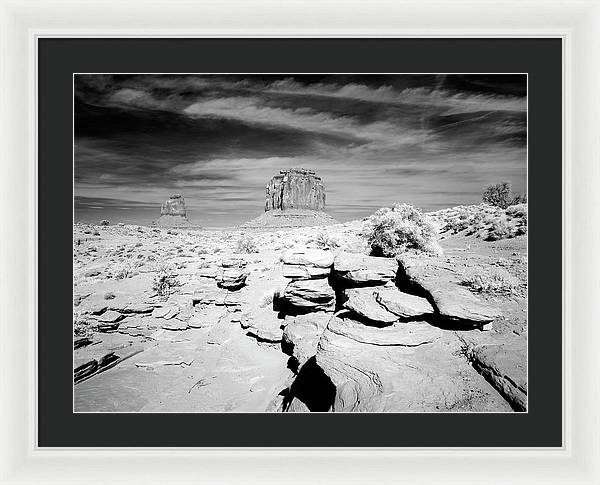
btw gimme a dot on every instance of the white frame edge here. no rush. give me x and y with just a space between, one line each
577 22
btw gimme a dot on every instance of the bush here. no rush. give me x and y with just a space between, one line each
500 229
391 231
493 281
325 241
497 194
246 245
165 281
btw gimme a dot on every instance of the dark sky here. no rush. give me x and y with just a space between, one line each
430 140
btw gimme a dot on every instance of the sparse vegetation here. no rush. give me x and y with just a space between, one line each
494 281
326 241
500 229
391 231
123 271
165 281
246 245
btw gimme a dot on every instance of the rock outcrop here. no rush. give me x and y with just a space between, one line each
296 188
504 365
173 212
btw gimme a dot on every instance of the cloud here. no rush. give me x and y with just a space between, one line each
451 102
253 110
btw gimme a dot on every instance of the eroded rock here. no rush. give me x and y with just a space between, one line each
361 270
309 295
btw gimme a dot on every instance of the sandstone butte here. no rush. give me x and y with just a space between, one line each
296 188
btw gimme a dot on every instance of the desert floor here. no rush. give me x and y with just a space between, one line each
205 348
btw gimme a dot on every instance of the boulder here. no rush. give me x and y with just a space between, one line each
403 304
232 279
296 188
301 335
309 295
362 270
362 302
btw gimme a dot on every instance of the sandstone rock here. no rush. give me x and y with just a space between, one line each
362 301
402 368
360 269
110 316
438 281
297 272
232 279
174 324
403 304
307 264
308 257
504 365
302 333
138 308
166 312
206 317
263 325
400 334
309 295
296 188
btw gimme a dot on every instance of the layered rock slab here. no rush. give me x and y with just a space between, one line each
403 367
438 282
355 269
309 295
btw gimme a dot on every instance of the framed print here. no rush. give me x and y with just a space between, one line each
349 253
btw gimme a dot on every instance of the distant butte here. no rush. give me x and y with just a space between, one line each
293 198
173 212
296 188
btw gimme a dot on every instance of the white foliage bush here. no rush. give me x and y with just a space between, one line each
401 228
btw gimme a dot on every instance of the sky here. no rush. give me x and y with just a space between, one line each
433 141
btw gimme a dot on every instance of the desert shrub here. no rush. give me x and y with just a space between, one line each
325 241
500 229
492 281
497 194
165 281
246 245
518 211
391 231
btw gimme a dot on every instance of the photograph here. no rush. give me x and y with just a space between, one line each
293 242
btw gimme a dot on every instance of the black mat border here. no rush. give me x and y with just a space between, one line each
58 59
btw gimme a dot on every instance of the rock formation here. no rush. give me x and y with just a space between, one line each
294 198
296 188
173 213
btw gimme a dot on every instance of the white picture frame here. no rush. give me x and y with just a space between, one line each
576 22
